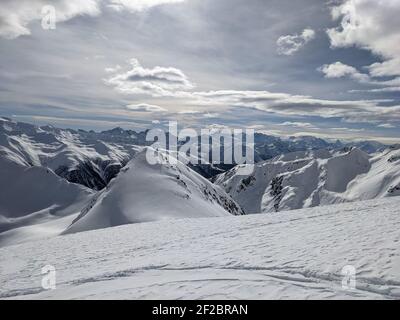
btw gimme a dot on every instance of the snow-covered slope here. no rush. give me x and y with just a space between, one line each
143 192
291 255
308 179
35 202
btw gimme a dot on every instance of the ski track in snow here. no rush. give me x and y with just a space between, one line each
297 255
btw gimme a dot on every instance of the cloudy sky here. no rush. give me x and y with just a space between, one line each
323 68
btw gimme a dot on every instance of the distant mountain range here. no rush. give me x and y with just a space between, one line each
56 181
316 177
93 159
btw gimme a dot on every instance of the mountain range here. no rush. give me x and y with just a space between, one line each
313 178
59 181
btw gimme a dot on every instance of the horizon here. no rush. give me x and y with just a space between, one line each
386 141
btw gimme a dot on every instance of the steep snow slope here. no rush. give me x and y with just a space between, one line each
308 179
291 255
144 192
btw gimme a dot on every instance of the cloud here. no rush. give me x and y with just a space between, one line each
344 129
372 25
16 16
144 107
340 70
289 44
297 105
189 112
211 115
157 81
298 125
387 89
138 5
386 126
113 69
173 83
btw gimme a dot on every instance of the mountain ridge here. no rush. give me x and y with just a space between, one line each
308 179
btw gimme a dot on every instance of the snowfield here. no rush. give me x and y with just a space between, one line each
297 254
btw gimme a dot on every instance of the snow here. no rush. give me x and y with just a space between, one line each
289 255
35 202
313 178
140 193
58 149
143 192
137 238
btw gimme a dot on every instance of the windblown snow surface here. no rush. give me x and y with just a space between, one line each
297 254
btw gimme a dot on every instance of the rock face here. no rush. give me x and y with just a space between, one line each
94 174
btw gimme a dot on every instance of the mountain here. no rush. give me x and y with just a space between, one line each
303 254
93 159
268 147
312 178
63 181
87 158
143 192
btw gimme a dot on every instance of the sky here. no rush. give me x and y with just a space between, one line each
307 67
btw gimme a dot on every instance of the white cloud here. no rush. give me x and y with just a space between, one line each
386 68
113 69
296 105
386 89
144 107
372 25
157 81
289 44
386 126
298 125
16 16
211 115
340 70
172 83
189 112
341 129
138 5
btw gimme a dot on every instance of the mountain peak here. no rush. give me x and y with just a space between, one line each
143 192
